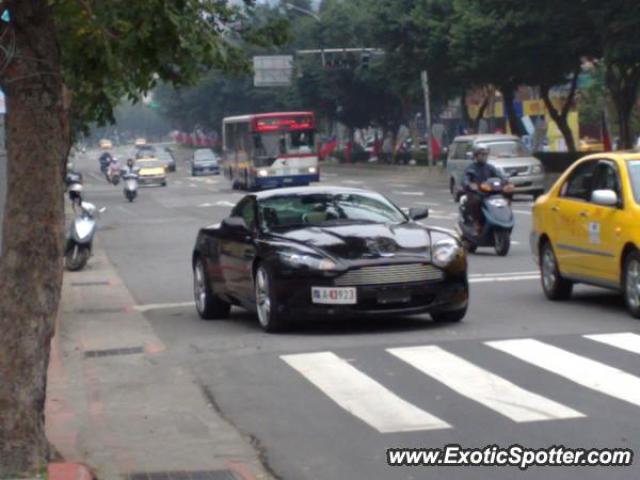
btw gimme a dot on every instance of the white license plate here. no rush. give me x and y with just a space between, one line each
334 296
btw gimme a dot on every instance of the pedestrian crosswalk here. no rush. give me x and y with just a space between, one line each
385 410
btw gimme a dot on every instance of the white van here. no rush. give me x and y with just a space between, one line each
506 152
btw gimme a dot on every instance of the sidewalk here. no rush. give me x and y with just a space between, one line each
119 403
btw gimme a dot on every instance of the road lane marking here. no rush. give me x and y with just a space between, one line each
626 341
522 212
162 306
414 194
428 204
504 274
399 185
581 370
503 277
353 182
482 386
361 395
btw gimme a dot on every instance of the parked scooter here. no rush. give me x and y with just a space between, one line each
72 176
81 231
130 185
497 218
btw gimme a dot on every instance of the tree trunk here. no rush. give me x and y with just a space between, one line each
37 139
483 108
514 122
561 117
623 82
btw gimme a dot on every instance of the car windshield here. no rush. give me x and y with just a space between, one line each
325 209
205 156
506 149
634 174
272 144
149 164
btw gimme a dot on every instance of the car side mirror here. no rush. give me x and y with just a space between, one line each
236 225
606 198
418 213
468 155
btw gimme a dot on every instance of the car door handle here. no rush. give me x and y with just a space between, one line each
584 214
555 208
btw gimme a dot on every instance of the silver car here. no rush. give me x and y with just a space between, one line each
506 152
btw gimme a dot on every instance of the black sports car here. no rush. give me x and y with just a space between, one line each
291 253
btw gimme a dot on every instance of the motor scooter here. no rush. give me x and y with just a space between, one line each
130 185
79 240
497 220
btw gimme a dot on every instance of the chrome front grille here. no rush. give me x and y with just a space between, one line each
511 171
388 274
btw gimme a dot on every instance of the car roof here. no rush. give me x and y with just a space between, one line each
486 137
277 192
619 155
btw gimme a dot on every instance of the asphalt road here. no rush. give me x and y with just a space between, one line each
327 400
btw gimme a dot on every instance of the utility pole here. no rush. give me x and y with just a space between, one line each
427 112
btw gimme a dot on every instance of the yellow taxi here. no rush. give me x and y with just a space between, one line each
105 144
140 141
151 171
585 229
588 144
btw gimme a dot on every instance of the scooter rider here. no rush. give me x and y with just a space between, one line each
129 167
474 175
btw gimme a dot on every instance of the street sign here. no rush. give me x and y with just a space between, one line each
272 70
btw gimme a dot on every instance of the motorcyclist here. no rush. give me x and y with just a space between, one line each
105 159
474 175
129 167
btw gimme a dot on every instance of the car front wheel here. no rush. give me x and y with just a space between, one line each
449 317
266 306
631 283
555 287
208 305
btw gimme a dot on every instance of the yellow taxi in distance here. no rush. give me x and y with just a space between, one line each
151 171
105 144
140 141
585 229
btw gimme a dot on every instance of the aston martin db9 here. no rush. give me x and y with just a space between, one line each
294 253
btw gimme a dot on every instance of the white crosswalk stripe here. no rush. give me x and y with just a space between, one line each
361 395
366 398
625 341
581 370
484 387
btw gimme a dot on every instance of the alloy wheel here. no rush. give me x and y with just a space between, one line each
263 299
632 283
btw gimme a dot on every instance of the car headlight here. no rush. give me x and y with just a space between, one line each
498 202
536 169
445 251
312 170
303 260
263 173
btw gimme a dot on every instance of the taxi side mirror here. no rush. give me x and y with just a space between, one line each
606 198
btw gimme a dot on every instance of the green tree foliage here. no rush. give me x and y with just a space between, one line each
70 62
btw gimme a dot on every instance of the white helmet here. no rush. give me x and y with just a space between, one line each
75 187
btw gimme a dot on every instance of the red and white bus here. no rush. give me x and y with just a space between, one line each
270 150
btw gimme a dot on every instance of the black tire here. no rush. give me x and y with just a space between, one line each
208 305
502 241
245 184
630 279
554 286
164 184
270 319
452 186
469 247
76 257
449 317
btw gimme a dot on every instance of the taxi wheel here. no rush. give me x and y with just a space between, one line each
631 283
555 287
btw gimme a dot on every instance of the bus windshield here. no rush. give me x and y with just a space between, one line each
273 144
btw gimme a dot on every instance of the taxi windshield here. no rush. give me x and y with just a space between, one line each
634 175
149 164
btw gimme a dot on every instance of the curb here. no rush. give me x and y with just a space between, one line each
69 471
